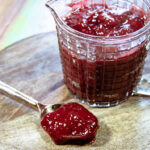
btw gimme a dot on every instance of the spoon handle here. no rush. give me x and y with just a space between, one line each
19 96
141 93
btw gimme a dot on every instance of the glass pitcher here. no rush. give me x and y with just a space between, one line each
100 71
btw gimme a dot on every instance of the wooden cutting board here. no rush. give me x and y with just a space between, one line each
33 67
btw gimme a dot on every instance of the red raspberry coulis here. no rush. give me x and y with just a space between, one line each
71 124
112 76
102 20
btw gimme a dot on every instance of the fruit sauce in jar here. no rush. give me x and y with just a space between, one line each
98 72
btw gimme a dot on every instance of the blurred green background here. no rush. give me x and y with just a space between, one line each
20 19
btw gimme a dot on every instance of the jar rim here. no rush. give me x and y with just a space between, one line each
113 40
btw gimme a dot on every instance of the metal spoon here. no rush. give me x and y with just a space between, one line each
142 89
17 95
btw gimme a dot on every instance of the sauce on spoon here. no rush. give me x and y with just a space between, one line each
71 124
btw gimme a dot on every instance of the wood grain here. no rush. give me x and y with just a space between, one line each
33 66
35 63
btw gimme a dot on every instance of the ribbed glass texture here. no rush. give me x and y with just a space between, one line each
103 72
